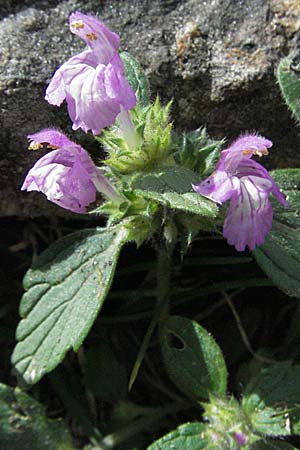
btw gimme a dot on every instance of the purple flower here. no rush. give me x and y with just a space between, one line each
93 82
240 438
67 175
247 185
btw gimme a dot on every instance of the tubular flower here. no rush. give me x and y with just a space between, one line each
247 185
66 175
93 82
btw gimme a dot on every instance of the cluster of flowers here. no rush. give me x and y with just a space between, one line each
97 94
94 86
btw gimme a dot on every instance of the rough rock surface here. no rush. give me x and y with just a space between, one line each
216 58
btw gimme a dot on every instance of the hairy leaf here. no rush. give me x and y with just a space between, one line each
271 400
289 82
24 426
173 187
193 360
189 436
136 78
279 256
66 288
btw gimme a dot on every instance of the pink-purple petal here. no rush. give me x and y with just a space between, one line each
217 187
253 142
67 175
251 167
240 438
62 177
56 92
248 218
93 82
51 136
93 106
244 148
247 185
96 35
116 82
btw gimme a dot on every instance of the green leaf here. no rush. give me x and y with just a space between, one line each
289 182
24 426
172 187
189 436
193 360
136 78
173 179
66 288
271 400
104 375
289 82
198 152
279 256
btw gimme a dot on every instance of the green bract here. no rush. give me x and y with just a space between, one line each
198 152
154 147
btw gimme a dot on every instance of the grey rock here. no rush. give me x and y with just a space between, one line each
216 58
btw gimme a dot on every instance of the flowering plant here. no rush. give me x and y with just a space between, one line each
165 190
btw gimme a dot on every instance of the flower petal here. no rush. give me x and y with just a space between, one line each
247 184
96 35
51 136
77 188
94 108
56 92
65 176
93 82
249 216
41 176
117 86
94 95
242 149
217 187
251 167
